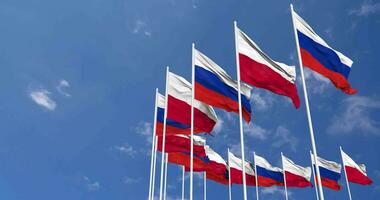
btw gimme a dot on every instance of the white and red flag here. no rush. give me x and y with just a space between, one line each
259 70
236 170
355 173
295 175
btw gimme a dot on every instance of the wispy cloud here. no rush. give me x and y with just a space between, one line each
61 86
316 83
262 100
365 9
146 130
130 180
91 185
283 137
256 131
218 126
274 190
140 27
126 149
42 98
356 115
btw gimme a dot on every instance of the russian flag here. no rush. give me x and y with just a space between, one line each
179 106
215 87
236 171
217 167
355 173
295 175
172 127
259 70
182 143
267 175
329 171
317 55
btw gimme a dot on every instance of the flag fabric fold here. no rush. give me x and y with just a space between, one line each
355 173
330 172
182 143
259 70
217 167
215 87
200 163
267 175
317 55
296 176
179 106
236 172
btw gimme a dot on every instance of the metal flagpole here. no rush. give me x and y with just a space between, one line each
256 179
240 113
345 174
183 182
283 172
315 180
154 166
204 186
192 122
229 174
153 145
166 174
314 148
164 134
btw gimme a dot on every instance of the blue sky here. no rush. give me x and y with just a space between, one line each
77 88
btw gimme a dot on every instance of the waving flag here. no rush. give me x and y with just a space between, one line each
267 175
200 163
179 106
215 87
217 167
317 55
237 170
296 176
355 173
181 143
259 70
329 171
172 127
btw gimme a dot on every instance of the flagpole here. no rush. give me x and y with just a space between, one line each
164 133
229 174
153 145
315 180
192 122
204 186
166 174
345 174
183 182
314 148
283 172
256 179
154 166
240 113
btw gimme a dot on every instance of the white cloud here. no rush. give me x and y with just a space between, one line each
366 8
218 126
274 190
315 82
91 185
60 87
126 149
146 130
256 131
130 180
141 27
283 137
41 97
356 115
262 100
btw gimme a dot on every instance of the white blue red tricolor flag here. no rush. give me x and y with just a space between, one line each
267 175
215 87
317 55
330 172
